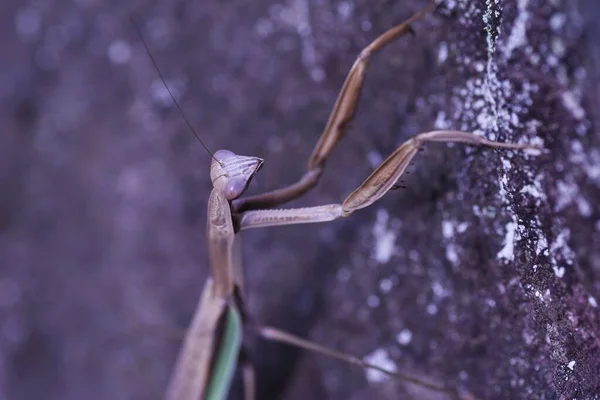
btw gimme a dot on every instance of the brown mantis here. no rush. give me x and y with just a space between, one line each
213 345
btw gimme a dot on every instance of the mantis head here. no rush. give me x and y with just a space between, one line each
231 174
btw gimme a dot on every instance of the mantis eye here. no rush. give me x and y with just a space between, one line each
231 173
234 187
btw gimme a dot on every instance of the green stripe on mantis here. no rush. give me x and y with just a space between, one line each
227 358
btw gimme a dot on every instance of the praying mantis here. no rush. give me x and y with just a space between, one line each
214 344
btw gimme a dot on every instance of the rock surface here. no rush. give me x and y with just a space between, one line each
483 274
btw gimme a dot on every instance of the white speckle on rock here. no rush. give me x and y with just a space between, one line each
373 301
129 183
385 239
558 47
592 301
366 25
572 103
528 337
584 207
451 254
431 309
385 285
567 192
119 52
317 74
541 245
571 365
441 122
557 21
297 15
592 165
490 31
442 53
404 337
345 9
379 358
27 23
560 250
518 34
160 94
558 271
508 251
447 229
374 158
343 275
533 190
560 243
438 290
264 27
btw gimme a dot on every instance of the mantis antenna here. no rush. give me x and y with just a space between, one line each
164 82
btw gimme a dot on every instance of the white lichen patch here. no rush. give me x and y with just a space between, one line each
490 105
384 245
381 359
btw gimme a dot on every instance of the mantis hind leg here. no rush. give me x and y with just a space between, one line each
248 375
